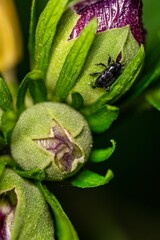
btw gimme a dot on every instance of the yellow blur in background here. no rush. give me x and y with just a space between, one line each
10 37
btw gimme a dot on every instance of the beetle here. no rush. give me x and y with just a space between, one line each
109 75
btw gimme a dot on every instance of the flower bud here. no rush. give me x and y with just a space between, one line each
24 213
115 57
52 137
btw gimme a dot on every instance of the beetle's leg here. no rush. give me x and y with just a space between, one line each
101 64
107 88
94 74
109 59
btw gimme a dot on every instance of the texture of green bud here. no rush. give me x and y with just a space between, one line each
24 214
52 137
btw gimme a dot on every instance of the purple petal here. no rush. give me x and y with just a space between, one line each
111 14
63 149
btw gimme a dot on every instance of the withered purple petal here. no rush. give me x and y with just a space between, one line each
62 148
111 14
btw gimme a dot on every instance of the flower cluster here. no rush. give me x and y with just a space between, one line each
84 57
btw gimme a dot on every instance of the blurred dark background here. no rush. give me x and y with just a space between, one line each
128 207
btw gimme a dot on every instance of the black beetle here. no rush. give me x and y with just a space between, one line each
109 74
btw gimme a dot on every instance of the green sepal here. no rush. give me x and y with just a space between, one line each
3 141
77 100
74 61
100 155
153 97
88 179
146 80
5 96
32 29
45 32
32 217
8 122
113 43
60 48
2 167
63 226
34 80
101 119
37 86
37 174
5 160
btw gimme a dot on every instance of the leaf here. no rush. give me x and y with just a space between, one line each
2 167
5 96
100 155
2 141
22 93
74 61
7 160
64 228
145 81
8 122
101 119
4 161
32 29
153 97
153 27
88 179
60 48
34 81
37 174
77 100
37 86
45 32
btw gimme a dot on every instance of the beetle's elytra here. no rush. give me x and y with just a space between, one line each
109 75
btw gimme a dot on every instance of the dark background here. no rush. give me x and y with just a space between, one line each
128 207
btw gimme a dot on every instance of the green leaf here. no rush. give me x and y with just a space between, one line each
60 48
153 97
74 61
34 81
64 228
37 174
88 179
8 122
101 119
45 32
77 100
2 167
22 93
145 81
5 96
4 161
109 43
2 141
37 86
32 29
100 155
7 160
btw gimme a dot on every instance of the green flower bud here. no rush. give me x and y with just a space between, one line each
24 213
87 49
51 137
